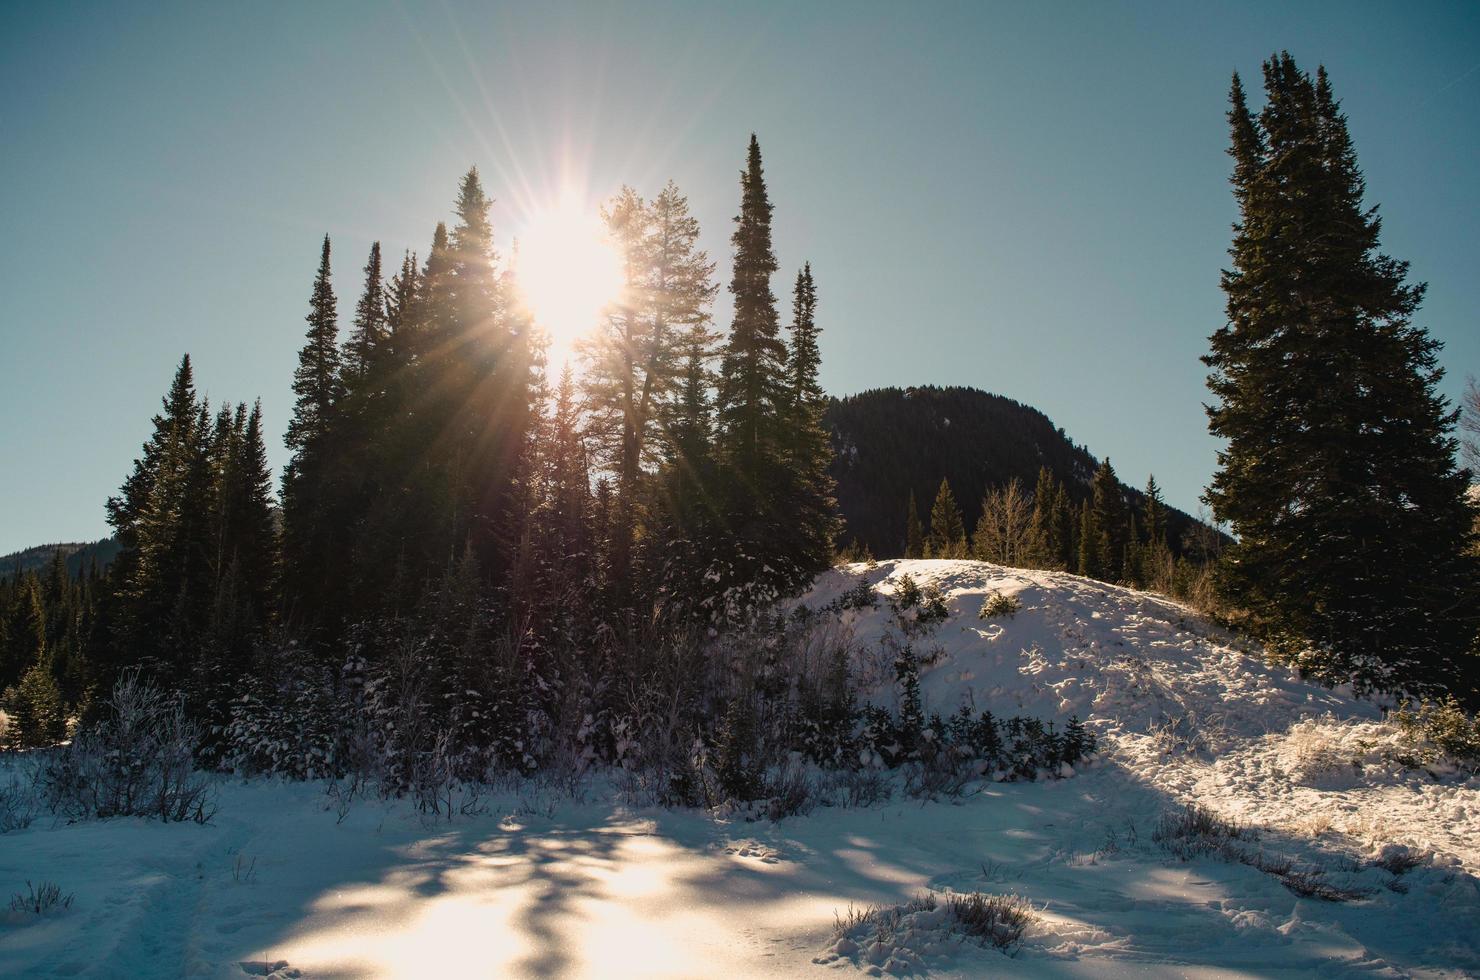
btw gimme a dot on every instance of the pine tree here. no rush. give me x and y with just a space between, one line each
38 718
749 412
1337 476
1065 528
1044 548
1091 550
914 534
311 499
316 381
752 371
1154 514
1110 523
368 338
810 509
947 537
25 633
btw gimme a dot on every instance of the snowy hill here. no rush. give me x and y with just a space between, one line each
1339 859
1175 699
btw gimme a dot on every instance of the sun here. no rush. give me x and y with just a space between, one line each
567 270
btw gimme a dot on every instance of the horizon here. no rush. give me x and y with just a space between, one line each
978 192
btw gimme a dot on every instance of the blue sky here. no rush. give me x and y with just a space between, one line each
1026 198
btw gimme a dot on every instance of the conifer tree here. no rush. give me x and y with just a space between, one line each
808 501
38 718
1154 514
1065 528
752 371
1091 550
368 337
1337 475
25 633
914 534
1044 548
750 407
312 505
947 530
1110 523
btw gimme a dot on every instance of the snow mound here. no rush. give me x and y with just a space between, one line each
1122 660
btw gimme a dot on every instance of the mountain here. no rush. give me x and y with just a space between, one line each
890 441
80 556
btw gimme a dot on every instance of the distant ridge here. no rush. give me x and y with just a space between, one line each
890 441
80 556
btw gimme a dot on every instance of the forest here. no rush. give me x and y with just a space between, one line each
472 565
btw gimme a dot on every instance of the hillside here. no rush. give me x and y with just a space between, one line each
1344 861
890 441
80 556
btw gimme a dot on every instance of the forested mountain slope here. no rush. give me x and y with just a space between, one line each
80 556
890 441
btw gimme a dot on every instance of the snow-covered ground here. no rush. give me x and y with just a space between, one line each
546 885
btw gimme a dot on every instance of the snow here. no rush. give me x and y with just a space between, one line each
547 884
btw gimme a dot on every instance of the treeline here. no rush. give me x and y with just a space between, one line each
891 442
442 485
80 557
1104 536
47 628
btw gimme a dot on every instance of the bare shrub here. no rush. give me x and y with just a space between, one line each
139 761
1195 830
941 775
996 919
41 899
882 921
861 787
19 798
790 792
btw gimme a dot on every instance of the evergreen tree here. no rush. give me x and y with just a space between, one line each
1337 475
1154 514
807 493
750 415
1065 528
947 531
311 500
1110 523
914 534
25 634
1091 541
37 716
1044 547
368 337
752 371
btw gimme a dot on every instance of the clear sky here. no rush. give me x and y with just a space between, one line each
1026 198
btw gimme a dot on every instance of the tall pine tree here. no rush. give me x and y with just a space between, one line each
1337 474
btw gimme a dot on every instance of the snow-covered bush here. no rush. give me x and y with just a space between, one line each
1441 731
999 604
998 920
138 761
903 940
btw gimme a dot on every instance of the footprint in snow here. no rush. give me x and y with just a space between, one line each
754 851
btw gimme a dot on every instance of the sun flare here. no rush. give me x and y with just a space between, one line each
568 270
